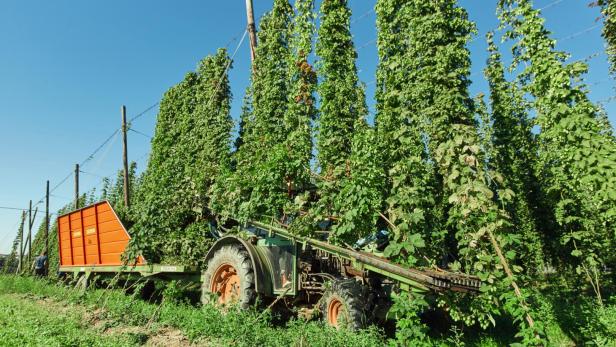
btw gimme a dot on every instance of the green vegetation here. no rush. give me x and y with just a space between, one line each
576 164
113 190
410 185
348 188
433 119
191 146
27 321
608 9
46 311
257 187
301 104
517 187
200 325
11 262
514 156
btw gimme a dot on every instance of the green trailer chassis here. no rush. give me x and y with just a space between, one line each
149 271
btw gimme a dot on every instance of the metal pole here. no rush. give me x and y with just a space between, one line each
47 218
252 31
125 158
76 186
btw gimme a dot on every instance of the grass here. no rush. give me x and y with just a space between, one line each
26 322
42 312
205 325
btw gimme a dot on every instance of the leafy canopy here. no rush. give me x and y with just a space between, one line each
191 146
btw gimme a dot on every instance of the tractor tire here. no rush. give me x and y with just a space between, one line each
345 305
229 278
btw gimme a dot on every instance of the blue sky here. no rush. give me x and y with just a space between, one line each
66 67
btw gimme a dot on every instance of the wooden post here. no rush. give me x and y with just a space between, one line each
252 31
30 233
76 186
47 218
31 219
125 158
21 242
516 289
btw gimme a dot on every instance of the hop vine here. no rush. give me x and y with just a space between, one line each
190 147
257 186
577 151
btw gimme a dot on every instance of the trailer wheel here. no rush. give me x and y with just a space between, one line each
230 276
344 305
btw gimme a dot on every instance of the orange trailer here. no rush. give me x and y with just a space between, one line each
92 236
92 240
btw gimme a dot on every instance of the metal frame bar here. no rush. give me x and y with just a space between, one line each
414 278
145 270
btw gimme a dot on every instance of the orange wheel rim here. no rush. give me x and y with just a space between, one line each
334 309
226 283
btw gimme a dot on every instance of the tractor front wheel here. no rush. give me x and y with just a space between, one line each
229 278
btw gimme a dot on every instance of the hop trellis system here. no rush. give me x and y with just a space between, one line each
457 182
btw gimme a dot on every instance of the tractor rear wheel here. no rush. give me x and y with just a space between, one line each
344 305
229 278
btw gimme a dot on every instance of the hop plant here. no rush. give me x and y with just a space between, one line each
576 166
191 147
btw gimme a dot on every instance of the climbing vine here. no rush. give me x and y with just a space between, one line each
608 9
342 150
342 101
245 117
577 150
467 224
301 109
113 191
410 183
360 198
514 156
257 188
190 147
11 262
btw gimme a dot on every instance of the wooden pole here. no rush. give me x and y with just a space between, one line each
30 232
47 218
516 289
31 218
30 225
76 186
125 158
21 242
252 31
